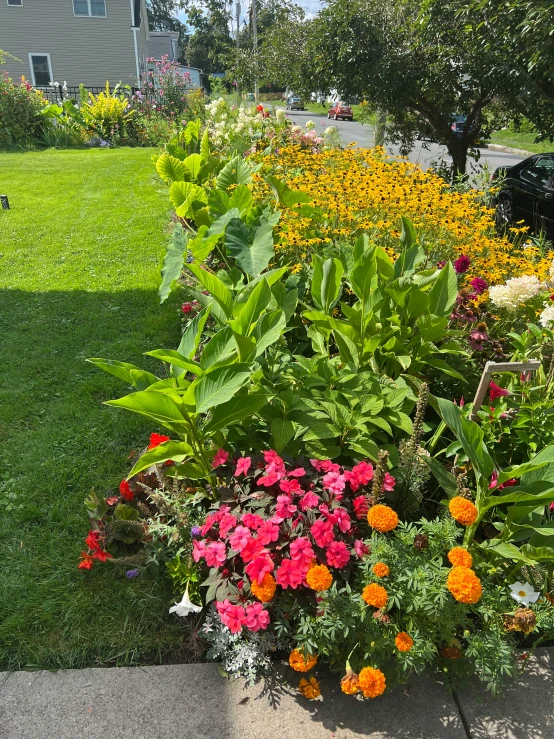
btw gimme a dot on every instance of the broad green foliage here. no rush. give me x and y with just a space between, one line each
390 317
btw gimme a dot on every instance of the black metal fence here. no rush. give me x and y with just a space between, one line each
59 93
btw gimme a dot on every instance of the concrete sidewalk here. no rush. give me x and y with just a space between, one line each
193 702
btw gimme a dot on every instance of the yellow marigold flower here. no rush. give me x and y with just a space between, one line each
309 688
460 557
382 518
300 663
380 569
372 682
463 510
265 590
350 684
404 642
375 595
464 585
319 578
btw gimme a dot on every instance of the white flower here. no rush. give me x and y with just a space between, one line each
523 593
296 129
547 316
517 291
331 130
310 125
280 115
186 606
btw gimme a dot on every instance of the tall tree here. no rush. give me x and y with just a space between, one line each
210 40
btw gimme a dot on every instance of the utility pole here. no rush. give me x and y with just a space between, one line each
237 13
255 45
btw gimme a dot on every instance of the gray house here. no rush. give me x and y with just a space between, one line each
75 41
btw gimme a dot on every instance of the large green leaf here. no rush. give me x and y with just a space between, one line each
246 346
317 279
183 195
234 411
331 280
221 294
412 254
192 335
157 406
268 330
285 195
220 348
446 479
363 278
178 451
252 248
171 169
282 431
250 311
241 198
443 293
236 172
543 458
536 493
140 379
173 261
193 164
469 434
219 385
202 245
175 359
505 550
441 365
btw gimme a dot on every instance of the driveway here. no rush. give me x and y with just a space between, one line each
423 152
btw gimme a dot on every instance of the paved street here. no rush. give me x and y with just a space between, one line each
423 153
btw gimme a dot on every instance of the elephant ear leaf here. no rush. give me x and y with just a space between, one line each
236 172
252 248
173 261
171 169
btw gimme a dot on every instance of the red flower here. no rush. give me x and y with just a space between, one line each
93 540
156 440
112 500
290 574
290 486
125 490
338 554
497 392
322 531
461 264
361 506
234 617
186 307
101 555
259 567
86 562
243 465
221 456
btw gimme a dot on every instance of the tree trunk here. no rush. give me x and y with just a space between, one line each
458 148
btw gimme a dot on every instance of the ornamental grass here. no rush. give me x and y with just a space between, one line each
358 191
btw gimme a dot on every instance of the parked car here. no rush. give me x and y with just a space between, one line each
527 193
340 110
295 103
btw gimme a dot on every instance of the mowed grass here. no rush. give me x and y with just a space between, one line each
78 268
523 141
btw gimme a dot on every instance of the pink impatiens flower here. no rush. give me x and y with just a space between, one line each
239 538
209 522
361 506
334 482
290 574
215 554
338 554
234 617
389 482
243 465
324 465
322 531
297 472
198 549
221 456
284 508
359 475
301 551
268 532
256 617
361 548
252 520
252 549
309 500
259 567
226 523
291 487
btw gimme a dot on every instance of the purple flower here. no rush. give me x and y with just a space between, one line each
441 264
461 264
130 574
195 531
479 285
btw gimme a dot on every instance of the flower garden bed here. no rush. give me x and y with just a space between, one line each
316 494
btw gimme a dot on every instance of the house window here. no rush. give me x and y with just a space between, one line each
92 8
41 69
19 3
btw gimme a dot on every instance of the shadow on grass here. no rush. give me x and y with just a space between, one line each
57 443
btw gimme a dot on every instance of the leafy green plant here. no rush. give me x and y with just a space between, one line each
392 318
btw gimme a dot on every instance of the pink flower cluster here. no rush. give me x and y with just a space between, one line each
285 521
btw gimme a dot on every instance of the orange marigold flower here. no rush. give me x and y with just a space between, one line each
382 518
463 510
300 663
380 569
460 557
375 595
404 642
319 578
464 585
372 682
350 684
265 590
309 688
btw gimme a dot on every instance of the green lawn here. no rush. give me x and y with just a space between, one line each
524 141
78 257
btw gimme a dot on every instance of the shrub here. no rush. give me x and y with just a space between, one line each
107 114
21 106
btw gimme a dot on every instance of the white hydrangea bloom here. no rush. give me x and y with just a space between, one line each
296 129
280 115
310 125
517 291
546 318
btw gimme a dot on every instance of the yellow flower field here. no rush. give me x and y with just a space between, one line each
362 190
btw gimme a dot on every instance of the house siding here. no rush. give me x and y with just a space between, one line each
83 50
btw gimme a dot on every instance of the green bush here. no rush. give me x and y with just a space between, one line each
21 121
